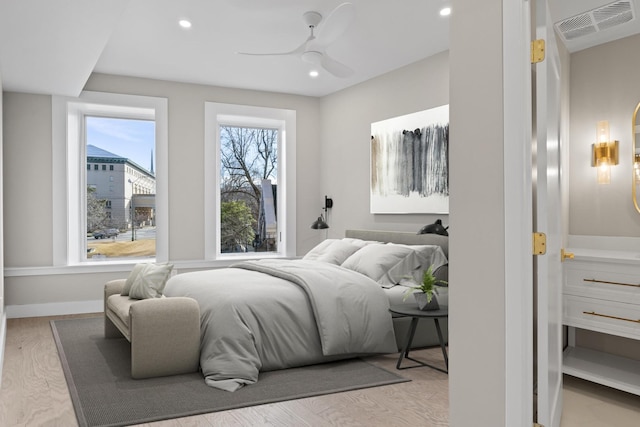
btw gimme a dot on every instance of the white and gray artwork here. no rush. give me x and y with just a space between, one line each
410 163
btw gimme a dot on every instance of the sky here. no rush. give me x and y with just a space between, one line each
133 139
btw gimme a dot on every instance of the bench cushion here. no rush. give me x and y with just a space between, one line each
117 309
120 304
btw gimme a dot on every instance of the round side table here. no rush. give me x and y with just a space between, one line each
411 310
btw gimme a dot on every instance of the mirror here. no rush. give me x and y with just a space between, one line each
636 156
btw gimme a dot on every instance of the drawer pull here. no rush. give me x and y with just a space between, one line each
593 313
611 283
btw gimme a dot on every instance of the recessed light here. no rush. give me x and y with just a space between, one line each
313 73
184 23
445 11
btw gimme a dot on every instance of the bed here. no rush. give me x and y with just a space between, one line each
333 304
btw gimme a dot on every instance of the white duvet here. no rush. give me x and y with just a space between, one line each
274 314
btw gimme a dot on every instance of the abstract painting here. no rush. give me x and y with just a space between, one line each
410 163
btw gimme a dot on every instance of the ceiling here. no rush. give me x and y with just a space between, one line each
52 47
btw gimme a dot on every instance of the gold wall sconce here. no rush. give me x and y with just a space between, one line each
604 153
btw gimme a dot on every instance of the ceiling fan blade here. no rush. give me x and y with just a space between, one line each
336 68
336 24
297 51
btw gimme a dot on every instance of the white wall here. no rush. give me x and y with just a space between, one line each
346 134
605 85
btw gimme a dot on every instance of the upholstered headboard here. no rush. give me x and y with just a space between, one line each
401 237
407 238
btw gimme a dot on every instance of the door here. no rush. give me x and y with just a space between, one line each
547 218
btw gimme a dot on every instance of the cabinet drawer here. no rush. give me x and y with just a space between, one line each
603 283
608 317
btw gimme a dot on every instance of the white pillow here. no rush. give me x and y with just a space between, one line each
135 272
359 242
151 281
319 249
335 252
386 264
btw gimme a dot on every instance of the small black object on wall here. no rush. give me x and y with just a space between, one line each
320 223
435 228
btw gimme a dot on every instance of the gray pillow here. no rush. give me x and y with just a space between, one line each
151 281
428 255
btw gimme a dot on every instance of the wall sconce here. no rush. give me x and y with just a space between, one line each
604 153
320 223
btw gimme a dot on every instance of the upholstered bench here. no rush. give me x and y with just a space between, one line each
164 332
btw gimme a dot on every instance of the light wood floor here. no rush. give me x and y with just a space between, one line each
34 393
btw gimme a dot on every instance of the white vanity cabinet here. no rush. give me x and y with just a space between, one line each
601 292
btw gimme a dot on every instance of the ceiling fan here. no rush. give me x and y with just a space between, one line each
313 49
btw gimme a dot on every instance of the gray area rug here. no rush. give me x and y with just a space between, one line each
97 371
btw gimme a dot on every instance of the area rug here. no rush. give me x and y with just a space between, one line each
98 370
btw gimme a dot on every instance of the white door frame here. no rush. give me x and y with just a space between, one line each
518 214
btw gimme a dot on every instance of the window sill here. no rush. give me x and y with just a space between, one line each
125 266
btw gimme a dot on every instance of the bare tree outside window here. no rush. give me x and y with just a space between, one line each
249 158
96 211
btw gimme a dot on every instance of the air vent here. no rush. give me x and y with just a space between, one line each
602 18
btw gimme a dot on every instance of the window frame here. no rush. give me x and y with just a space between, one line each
69 199
217 114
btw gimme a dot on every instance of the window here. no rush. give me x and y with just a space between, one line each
247 181
87 126
248 188
88 166
123 141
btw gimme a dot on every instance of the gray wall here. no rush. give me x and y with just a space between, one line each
186 151
28 170
346 134
1 220
2 311
605 85
27 180
477 384
323 133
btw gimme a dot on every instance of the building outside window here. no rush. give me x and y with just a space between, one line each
104 121
124 200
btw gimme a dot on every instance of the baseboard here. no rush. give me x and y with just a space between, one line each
3 339
54 309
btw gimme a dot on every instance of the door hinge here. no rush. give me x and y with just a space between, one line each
539 243
537 51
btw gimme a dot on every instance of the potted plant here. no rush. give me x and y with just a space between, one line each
425 293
